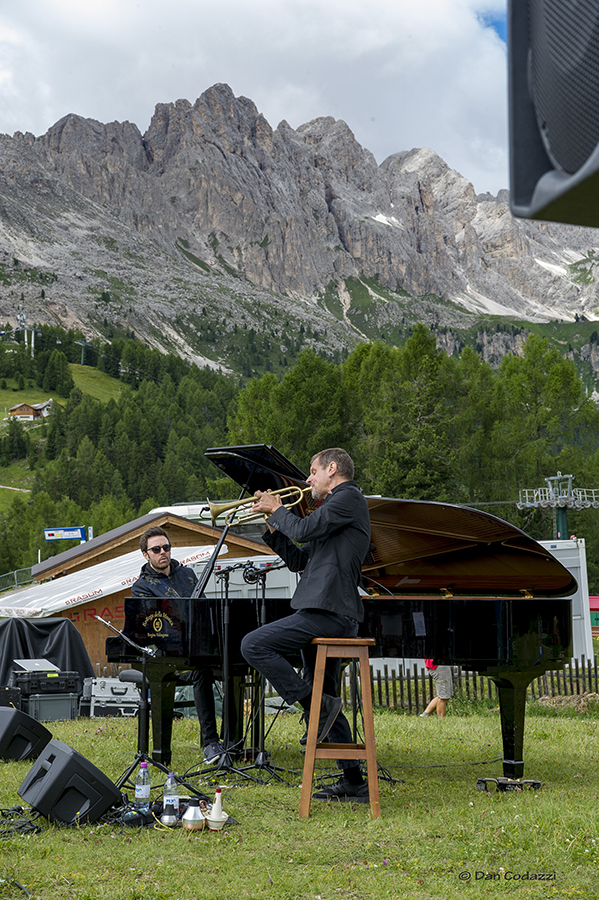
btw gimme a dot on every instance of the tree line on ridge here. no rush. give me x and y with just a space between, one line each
420 424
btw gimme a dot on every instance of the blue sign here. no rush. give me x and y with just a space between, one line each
64 534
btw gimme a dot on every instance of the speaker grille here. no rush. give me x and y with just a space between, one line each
564 78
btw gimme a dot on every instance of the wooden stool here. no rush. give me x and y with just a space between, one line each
344 648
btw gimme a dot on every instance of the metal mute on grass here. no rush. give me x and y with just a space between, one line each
193 817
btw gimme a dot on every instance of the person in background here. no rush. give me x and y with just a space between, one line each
443 681
163 576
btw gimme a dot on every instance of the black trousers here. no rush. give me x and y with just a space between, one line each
203 698
265 648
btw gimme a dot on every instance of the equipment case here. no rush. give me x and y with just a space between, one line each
10 696
50 707
109 697
47 682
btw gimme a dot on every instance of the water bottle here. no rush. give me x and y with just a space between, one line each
142 787
171 793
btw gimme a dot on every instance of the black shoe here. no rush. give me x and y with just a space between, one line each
330 708
213 752
344 792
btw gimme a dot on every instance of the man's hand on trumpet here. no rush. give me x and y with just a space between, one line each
266 503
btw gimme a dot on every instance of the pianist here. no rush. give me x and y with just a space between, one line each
335 539
163 576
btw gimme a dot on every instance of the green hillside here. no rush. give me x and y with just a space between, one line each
18 477
379 313
87 379
96 383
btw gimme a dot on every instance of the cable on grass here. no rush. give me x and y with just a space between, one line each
16 884
16 820
385 771
480 762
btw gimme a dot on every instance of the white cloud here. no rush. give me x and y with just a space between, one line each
401 73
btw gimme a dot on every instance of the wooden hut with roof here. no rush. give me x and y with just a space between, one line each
112 545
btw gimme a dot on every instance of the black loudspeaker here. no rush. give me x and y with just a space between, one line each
64 786
21 736
553 48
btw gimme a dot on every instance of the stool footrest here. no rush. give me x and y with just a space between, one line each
340 751
339 748
346 642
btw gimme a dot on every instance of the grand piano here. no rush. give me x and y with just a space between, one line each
445 582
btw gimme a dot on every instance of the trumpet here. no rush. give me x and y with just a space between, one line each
235 510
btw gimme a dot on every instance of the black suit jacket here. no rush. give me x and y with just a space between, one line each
336 538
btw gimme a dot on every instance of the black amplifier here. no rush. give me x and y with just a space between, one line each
10 696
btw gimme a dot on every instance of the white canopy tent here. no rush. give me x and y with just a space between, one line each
106 578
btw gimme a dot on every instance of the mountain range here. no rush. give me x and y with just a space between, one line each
230 242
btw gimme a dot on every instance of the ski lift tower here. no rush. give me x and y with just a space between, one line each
83 345
559 496
22 324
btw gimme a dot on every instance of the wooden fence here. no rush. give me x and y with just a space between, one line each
412 690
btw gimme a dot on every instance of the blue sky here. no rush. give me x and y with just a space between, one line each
497 22
401 73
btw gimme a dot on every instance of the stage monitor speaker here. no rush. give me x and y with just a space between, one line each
65 787
553 48
21 736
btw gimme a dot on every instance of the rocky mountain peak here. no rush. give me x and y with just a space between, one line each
75 136
306 213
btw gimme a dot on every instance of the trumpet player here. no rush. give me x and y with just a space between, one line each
335 539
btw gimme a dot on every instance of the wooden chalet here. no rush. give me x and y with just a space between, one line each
28 412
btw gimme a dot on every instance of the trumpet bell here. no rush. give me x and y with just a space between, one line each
218 509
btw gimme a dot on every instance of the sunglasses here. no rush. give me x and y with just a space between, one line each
165 547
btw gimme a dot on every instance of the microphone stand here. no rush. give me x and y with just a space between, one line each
262 762
209 567
225 763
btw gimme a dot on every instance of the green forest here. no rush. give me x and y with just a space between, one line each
419 424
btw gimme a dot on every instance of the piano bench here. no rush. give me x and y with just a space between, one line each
341 648
131 675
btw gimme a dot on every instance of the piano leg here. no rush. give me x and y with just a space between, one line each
162 703
512 704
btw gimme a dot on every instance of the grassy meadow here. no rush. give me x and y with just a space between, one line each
16 480
95 383
438 836
87 379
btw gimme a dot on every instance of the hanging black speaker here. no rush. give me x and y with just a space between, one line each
554 109
21 736
64 786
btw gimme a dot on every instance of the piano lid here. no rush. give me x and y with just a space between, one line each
256 467
421 547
